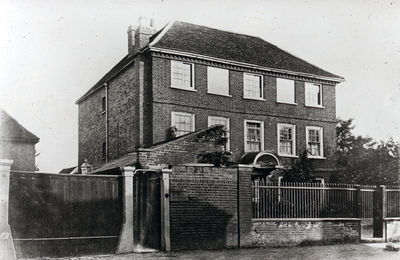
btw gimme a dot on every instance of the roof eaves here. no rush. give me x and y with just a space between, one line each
101 82
243 64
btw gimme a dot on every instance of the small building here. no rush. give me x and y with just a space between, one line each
70 170
17 143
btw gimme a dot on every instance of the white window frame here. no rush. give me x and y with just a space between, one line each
307 101
261 137
321 137
261 97
192 86
293 127
277 91
174 114
227 146
208 81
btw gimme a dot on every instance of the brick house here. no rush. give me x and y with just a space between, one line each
17 143
191 77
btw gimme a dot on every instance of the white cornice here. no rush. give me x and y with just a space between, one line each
243 64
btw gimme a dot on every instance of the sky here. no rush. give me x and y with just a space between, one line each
52 52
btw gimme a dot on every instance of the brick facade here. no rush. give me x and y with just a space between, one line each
140 101
237 109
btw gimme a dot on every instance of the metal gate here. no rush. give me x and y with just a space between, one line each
147 216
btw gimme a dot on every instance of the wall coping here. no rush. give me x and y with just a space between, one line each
303 219
65 174
160 145
5 162
198 165
391 219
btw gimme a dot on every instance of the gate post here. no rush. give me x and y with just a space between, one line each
165 217
379 211
7 250
126 239
358 208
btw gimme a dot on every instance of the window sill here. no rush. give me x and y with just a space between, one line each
288 155
316 157
219 94
257 99
322 107
187 89
281 102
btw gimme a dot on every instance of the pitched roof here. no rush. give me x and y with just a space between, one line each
10 129
196 39
70 170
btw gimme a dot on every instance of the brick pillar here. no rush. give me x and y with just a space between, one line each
126 238
7 250
165 217
358 208
245 207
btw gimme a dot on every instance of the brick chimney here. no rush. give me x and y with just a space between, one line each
139 37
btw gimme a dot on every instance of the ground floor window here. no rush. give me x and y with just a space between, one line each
254 135
217 120
286 139
314 139
184 122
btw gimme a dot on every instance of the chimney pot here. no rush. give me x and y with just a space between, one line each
142 33
131 38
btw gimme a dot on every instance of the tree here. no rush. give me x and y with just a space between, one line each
362 160
301 171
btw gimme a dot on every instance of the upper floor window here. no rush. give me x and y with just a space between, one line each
285 91
286 139
216 120
314 139
182 75
103 104
184 122
254 136
218 81
253 86
313 94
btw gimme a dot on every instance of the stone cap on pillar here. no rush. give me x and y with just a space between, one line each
5 165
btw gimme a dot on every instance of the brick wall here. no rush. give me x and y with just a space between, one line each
178 151
237 109
203 207
91 129
297 232
123 119
122 113
210 205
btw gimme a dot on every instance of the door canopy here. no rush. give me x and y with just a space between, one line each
262 159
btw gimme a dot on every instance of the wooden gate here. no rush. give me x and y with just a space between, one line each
147 215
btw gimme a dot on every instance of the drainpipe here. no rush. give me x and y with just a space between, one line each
106 96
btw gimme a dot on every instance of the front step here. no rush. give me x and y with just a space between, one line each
373 240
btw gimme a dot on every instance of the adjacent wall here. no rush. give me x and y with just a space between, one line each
211 208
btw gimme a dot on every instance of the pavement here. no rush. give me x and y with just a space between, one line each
342 251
